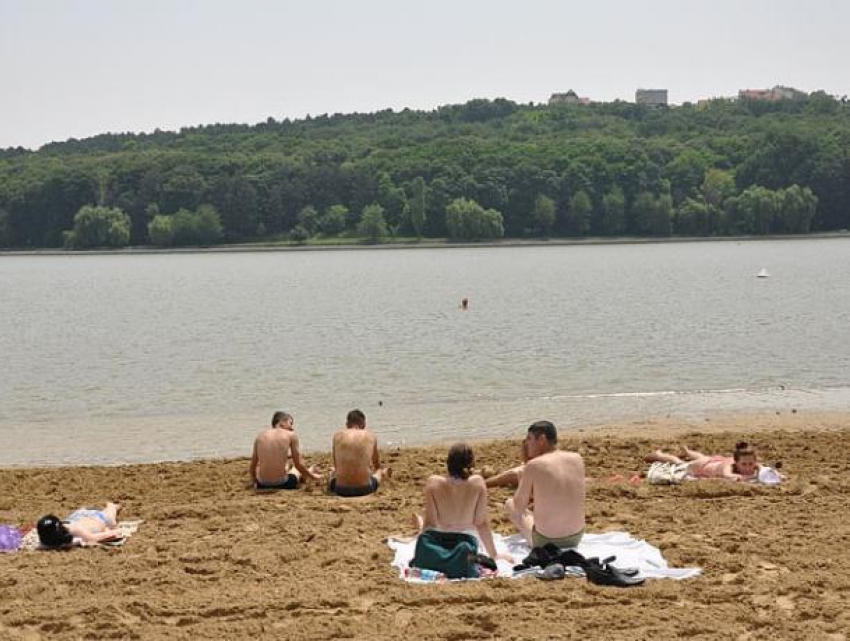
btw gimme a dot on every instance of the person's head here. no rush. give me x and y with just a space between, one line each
52 532
355 419
746 459
460 461
282 419
542 437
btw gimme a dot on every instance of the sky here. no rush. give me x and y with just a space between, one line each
77 68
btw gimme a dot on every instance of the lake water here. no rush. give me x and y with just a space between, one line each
130 358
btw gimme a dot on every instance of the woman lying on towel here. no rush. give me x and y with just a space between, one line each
741 466
458 502
87 525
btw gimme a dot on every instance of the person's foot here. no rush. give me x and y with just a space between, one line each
388 472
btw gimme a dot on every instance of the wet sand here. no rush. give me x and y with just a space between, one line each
216 560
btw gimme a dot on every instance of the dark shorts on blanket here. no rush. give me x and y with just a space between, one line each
360 490
289 483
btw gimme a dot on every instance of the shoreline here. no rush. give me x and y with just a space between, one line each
424 244
670 427
214 559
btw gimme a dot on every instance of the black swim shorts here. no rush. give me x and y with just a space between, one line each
289 483
360 490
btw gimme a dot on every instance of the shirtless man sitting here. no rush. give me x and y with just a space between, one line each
269 468
553 481
357 464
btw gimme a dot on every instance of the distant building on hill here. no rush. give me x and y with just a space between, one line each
651 97
777 93
569 98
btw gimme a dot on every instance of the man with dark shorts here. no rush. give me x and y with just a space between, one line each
269 468
357 464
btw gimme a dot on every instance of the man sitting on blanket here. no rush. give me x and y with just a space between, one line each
269 468
553 481
357 464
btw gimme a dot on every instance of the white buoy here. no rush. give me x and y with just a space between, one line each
762 274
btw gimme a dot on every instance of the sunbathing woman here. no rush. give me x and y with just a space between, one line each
741 466
458 502
87 525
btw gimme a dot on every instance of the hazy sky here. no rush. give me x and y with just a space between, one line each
75 68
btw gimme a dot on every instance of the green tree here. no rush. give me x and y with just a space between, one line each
418 213
653 214
332 222
578 215
544 214
692 218
717 188
466 219
161 231
308 218
99 227
614 212
5 229
753 211
373 225
797 207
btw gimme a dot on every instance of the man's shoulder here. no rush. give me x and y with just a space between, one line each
553 458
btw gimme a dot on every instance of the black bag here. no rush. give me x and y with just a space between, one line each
455 554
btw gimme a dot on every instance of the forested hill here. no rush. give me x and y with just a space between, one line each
479 170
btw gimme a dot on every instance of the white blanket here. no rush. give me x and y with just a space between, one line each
630 553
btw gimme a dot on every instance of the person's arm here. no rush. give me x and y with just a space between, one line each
298 463
431 519
482 518
90 538
728 474
525 491
252 466
376 458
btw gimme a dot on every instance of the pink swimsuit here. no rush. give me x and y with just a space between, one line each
712 468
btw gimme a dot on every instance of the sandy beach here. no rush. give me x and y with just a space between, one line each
214 559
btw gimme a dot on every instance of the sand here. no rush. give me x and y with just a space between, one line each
216 560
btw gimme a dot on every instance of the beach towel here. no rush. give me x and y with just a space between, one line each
630 553
127 528
667 473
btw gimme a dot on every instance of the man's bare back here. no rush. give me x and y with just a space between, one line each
356 461
355 452
272 447
553 482
556 483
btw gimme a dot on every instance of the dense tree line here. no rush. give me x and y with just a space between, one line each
480 170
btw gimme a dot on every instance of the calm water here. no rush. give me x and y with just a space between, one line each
109 359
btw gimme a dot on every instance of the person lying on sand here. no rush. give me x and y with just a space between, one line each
741 466
458 502
357 464
269 468
553 481
88 525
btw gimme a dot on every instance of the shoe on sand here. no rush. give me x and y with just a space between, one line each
551 573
